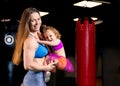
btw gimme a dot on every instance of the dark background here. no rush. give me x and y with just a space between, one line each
61 14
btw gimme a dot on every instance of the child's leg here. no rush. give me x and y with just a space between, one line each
63 62
69 67
47 76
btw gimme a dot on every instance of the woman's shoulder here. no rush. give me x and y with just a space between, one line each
30 40
30 43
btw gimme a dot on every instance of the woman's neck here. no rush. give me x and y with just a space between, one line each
35 35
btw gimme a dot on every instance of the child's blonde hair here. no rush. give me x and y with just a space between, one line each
57 33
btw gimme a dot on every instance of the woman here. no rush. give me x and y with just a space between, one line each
29 50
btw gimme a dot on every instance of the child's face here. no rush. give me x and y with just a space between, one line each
50 35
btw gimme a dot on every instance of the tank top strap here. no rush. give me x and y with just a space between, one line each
30 34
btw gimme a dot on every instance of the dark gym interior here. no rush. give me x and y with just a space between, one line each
61 15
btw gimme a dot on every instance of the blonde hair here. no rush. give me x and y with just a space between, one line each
23 32
57 33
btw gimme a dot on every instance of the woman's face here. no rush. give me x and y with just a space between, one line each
35 22
50 35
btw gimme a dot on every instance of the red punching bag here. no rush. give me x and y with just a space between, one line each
85 52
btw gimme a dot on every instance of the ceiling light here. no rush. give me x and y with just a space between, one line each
75 19
93 18
98 22
5 20
43 13
88 4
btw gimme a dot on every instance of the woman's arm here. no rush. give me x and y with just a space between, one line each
30 63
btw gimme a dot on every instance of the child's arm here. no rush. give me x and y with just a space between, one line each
50 43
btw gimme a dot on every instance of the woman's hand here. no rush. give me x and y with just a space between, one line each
51 65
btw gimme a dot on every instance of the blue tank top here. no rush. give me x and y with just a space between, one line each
41 51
